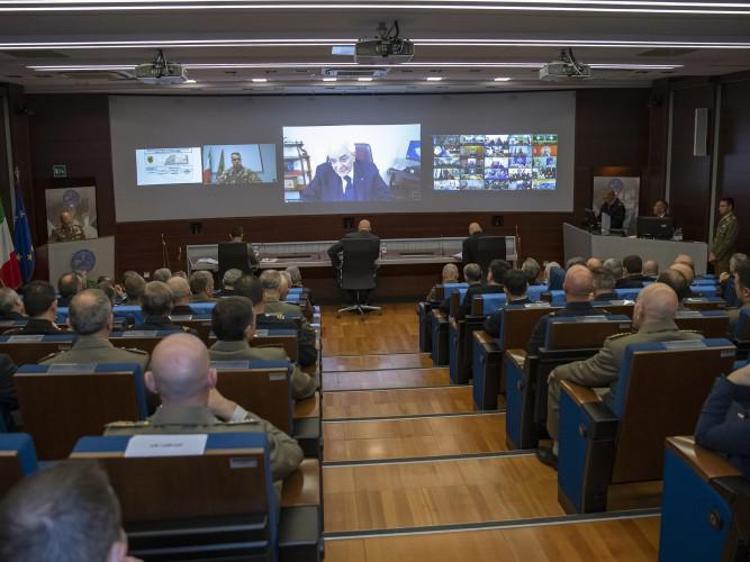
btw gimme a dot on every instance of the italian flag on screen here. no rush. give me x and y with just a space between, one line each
10 271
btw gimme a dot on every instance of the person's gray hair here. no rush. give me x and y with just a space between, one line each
604 279
295 274
472 272
288 277
90 311
736 261
575 260
201 282
162 274
157 299
230 277
531 268
271 280
615 266
548 267
179 286
9 300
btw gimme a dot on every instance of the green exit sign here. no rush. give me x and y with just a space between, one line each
59 171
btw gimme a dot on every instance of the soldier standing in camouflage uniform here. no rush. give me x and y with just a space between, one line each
725 236
653 317
237 174
67 230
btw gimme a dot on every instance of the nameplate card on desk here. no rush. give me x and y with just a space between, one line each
688 314
141 446
269 260
537 305
261 333
25 338
181 318
685 344
230 365
65 368
139 334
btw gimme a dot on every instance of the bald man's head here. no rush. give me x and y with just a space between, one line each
364 226
686 271
179 371
475 228
687 260
578 284
656 304
593 263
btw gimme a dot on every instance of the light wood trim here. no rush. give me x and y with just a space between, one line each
707 464
302 487
580 394
307 408
517 356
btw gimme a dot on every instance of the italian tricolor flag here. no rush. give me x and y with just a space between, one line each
10 271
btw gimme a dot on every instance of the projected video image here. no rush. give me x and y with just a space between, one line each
242 164
168 166
352 163
494 162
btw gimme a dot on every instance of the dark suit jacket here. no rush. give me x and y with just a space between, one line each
338 247
308 355
12 316
36 326
8 401
163 323
367 185
540 330
634 281
604 297
470 248
494 321
182 310
616 212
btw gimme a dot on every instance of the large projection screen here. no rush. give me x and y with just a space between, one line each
153 122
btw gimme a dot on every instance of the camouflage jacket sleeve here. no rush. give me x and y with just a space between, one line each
303 385
725 237
597 371
285 453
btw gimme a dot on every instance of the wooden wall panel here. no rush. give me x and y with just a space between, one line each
734 160
612 129
690 176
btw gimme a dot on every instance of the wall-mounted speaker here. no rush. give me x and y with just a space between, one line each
497 220
196 227
348 223
700 132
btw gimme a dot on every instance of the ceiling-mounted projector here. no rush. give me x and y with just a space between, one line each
387 48
565 68
160 72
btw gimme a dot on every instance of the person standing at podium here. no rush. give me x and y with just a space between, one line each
661 209
470 245
614 208
724 237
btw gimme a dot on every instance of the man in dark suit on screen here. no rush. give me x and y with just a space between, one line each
344 178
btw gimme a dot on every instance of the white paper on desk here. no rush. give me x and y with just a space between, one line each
459 256
166 446
269 260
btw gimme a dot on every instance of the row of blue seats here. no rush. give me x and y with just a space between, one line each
248 523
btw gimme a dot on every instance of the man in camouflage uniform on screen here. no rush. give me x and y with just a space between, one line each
237 174
68 230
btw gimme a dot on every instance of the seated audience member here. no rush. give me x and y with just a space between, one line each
90 316
275 289
516 285
742 289
67 286
233 322
615 266
604 285
726 281
676 281
495 279
8 400
295 275
724 425
687 260
11 305
40 302
202 286
180 274
687 271
134 285
593 263
181 296
548 266
65 513
532 269
633 279
653 318
555 278
250 287
304 305
578 286
162 274
449 275
108 289
575 260
181 375
472 276
157 303
650 270
227 282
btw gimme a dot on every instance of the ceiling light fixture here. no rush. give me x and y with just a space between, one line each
364 79
501 79
330 79
259 80
434 78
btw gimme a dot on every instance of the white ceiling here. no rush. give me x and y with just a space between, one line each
288 42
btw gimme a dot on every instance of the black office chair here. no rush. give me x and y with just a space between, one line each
490 248
234 255
356 274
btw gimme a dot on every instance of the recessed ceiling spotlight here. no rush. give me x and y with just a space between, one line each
502 79
434 78
259 80
329 79
364 79
190 81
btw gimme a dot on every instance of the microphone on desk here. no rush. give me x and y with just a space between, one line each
164 253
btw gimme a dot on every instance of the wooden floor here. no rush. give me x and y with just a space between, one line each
408 461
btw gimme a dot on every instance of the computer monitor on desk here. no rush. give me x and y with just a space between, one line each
655 227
